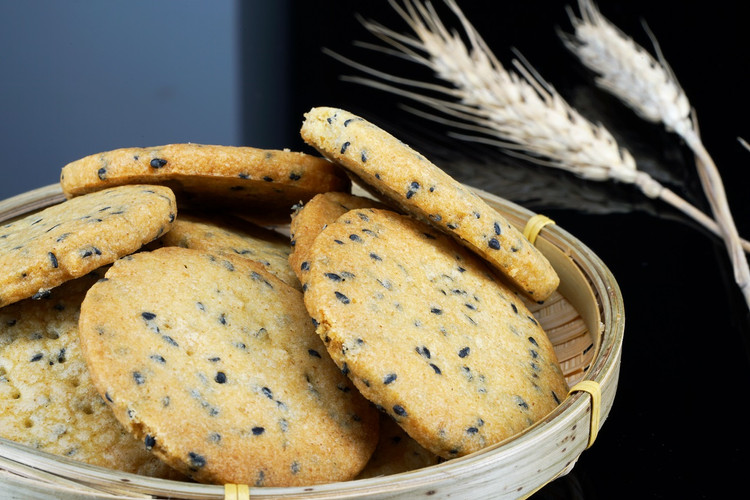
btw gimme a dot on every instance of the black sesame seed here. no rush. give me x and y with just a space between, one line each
343 298
196 460
391 377
139 378
267 392
36 357
268 178
108 397
102 173
61 356
52 259
399 410
497 228
313 353
375 256
339 242
333 276
169 340
158 163
42 294
472 430
531 319
494 244
294 177
464 352
150 441
520 402
305 266
345 369
158 358
220 377
148 316
423 351
533 341
364 156
344 147
513 306
355 237
436 310
257 431
436 368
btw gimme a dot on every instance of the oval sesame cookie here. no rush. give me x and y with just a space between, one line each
311 218
229 235
65 241
419 187
427 333
47 399
214 365
268 181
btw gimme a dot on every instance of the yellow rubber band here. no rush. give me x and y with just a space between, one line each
236 491
534 225
595 391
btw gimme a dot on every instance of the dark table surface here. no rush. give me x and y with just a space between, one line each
677 428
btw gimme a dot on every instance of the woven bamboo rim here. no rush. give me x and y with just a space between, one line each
584 320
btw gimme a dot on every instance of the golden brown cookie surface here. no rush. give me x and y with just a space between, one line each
228 235
428 334
309 220
419 187
47 399
213 363
65 241
267 181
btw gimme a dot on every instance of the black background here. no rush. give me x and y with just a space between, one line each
678 426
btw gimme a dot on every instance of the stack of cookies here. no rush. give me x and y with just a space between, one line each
155 323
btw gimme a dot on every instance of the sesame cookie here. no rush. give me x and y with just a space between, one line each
397 172
427 333
312 217
47 399
268 181
214 365
396 452
229 235
65 241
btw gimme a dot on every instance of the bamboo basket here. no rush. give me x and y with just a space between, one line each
584 320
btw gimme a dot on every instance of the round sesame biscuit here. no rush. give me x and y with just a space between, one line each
225 234
67 240
426 332
266 181
213 363
47 399
312 217
397 172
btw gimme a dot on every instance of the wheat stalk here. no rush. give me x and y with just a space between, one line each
650 88
518 112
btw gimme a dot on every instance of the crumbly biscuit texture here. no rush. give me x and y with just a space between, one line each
311 218
397 172
67 240
266 181
47 399
225 381
229 235
428 333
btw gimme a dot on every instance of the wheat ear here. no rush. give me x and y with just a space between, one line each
650 88
518 112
